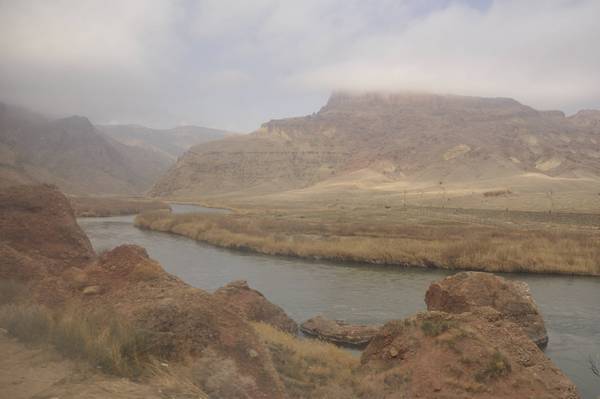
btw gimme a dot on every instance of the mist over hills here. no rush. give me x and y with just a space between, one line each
398 141
84 159
168 142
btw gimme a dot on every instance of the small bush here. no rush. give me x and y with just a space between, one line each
434 327
497 366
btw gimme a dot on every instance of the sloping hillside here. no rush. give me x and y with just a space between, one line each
73 154
171 143
396 142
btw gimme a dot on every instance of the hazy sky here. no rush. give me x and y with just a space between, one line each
236 64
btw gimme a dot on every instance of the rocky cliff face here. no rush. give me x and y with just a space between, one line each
72 154
417 138
40 236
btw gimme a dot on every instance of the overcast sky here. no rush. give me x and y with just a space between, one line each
236 64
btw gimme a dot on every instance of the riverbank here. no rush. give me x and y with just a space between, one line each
407 238
113 206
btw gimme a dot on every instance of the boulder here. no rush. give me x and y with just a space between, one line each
466 291
478 354
253 306
339 332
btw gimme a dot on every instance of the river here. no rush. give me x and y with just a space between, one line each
361 293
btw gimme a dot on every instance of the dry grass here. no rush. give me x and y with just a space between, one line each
11 291
310 368
413 241
100 339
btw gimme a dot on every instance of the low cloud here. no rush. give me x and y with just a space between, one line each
236 64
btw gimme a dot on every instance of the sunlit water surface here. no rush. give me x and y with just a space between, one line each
361 293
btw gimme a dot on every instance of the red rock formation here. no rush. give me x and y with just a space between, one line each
467 291
477 354
253 306
39 233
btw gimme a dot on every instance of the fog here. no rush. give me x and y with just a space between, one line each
235 65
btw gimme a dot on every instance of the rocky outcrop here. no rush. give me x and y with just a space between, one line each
42 244
466 291
339 332
253 306
478 354
184 323
39 235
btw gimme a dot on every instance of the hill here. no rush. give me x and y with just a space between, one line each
420 145
71 153
171 143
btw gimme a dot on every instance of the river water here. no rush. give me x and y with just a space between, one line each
360 293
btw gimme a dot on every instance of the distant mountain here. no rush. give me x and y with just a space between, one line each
396 142
73 154
170 142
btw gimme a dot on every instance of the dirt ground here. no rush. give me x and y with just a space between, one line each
34 372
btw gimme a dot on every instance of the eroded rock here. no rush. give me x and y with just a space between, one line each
339 332
466 291
253 306
479 354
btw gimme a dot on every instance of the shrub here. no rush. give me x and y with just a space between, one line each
434 327
496 367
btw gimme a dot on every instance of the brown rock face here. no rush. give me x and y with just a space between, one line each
185 323
477 354
338 332
422 138
252 305
466 291
39 233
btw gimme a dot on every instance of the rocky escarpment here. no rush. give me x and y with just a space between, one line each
339 332
253 306
419 138
467 291
477 354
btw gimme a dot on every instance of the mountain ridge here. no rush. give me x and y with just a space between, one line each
420 140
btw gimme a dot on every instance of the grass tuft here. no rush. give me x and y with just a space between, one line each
100 338
496 367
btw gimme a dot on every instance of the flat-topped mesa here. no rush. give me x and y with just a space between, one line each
466 291
347 101
415 135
